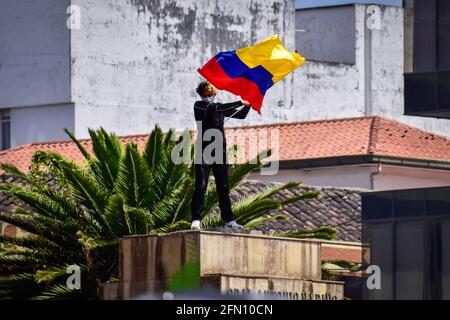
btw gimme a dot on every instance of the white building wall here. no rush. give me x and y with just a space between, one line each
134 62
365 176
332 90
41 123
394 177
34 53
339 176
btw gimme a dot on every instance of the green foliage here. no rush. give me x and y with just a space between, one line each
325 233
117 191
328 273
344 264
188 277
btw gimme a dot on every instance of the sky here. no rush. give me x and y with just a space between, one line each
318 3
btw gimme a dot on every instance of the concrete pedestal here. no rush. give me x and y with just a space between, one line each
228 263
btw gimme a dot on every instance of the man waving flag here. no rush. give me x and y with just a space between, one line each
250 72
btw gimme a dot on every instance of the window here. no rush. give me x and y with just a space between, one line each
5 129
412 248
431 35
427 88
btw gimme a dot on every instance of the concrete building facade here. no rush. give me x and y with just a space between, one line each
363 176
337 82
126 65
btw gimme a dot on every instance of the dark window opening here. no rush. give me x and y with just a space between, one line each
5 129
427 88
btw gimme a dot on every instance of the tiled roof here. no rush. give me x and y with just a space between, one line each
21 156
298 141
336 207
350 137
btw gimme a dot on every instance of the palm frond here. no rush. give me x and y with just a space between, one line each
16 172
40 204
83 187
134 180
58 292
257 222
301 197
179 225
139 219
154 148
115 216
18 263
125 220
275 190
248 209
34 243
44 163
50 274
94 243
344 264
108 150
159 162
52 230
326 233
212 221
83 151
183 209
165 211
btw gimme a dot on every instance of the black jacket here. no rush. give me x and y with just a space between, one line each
212 116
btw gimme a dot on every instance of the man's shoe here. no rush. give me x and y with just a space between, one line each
195 225
233 225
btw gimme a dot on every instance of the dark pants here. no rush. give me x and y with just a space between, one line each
220 172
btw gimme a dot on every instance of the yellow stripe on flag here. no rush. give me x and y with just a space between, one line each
273 56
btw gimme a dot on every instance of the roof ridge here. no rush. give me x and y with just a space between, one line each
233 127
376 122
81 140
299 122
373 138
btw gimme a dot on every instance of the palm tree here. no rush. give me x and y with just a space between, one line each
117 191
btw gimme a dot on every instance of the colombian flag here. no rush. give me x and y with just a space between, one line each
250 72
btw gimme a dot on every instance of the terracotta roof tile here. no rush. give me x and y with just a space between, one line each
297 141
336 207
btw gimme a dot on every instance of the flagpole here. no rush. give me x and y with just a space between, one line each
232 115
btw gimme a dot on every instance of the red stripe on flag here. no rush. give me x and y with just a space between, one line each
242 87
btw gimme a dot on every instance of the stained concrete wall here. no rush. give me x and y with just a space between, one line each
34 53
373 86
326 34
332 90
134 62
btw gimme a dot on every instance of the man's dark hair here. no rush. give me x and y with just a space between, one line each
202 87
